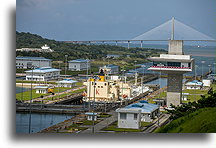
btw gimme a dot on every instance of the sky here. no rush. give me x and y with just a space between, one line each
65 20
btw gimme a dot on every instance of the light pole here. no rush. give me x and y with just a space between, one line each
93 108
209 68
202 67
135 73
143 66
214 68
30 102
195 82
87 68
65 64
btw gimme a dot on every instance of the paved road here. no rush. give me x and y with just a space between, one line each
102 124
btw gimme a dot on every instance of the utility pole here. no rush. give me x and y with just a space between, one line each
65 64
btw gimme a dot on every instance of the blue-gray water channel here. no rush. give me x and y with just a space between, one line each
39 121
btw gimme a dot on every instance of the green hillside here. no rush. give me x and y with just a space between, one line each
97 52
200 121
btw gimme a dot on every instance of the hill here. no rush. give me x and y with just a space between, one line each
200 121
28 40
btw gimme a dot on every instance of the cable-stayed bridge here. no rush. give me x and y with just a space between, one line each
170 30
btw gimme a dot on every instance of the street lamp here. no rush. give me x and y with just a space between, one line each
135 73
202 67
209 68
214 68
143 66
30 101
65 64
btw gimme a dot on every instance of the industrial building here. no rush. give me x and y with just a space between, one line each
174 64
79 64
132 115
30 62
110 69
42 74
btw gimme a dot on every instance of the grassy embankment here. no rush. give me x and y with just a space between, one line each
201 121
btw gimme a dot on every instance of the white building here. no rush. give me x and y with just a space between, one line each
41 89
194 85
206 82
29 62
110 69
67 83
132 115
79 64
44 48
42 74
91 116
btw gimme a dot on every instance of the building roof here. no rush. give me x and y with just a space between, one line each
143 106
68 81
90 113
43 70
79 61
41 87
33 58
194 82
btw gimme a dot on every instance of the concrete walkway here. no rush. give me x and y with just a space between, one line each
102 124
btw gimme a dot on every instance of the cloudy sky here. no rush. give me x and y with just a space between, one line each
110 19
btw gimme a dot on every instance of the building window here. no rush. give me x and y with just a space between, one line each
135 116
123 116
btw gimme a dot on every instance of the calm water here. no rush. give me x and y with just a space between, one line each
20 89
38 122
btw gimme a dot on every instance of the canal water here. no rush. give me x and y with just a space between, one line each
39 121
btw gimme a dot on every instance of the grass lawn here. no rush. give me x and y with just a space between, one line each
114 127
201 121
161 95
26 95
63 95
104 115
194 95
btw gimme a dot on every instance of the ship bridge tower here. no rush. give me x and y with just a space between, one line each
174 64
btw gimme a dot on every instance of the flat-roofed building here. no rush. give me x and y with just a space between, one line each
66 83
44 48
79 64
195 84
110 69
29 62
42 74
132 115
